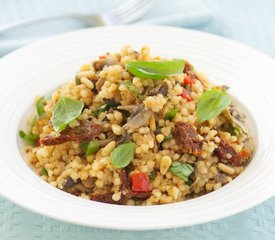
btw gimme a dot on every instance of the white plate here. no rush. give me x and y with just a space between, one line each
39 68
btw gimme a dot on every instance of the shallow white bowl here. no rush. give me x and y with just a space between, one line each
39 68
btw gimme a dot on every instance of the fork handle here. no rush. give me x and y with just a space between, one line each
12 26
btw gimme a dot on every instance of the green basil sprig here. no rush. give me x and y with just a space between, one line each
90 147
212 103
30 138
40 107
156 69
182 170
171 115
133 88
65 111
122 155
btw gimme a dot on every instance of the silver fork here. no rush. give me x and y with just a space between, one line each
126 13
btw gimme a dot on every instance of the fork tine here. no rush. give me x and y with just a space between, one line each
130 4
129 11
137 10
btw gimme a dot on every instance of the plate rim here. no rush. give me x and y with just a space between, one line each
112 226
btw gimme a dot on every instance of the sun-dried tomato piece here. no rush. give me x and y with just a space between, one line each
227 154
86 131
140 195
187 138
107 198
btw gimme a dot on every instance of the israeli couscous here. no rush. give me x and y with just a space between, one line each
133 129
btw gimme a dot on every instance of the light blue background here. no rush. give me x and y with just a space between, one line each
248 21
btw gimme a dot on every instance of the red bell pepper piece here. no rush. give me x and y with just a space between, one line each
102 57
244 153
140 182
188 80
186 95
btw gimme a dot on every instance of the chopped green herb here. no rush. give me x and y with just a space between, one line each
106 107
182 170
65 111
152 175
90 147
156 69
211 104
233 129
133 88
238 130
111 105
40 107
171 115
77 80
138 202
99 111
30 139
168 138
122 155
44 172
189 182
83 146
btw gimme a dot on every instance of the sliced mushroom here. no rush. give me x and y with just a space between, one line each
99 64
159 89
69 182
236 118
138 119
104 142
130 108
89 182
124 138
78 187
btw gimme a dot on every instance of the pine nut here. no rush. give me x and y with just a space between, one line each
165 163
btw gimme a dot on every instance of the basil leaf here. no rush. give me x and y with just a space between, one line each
65 111
90 147
211 104
28 138
182 170
122 155
40 107
44 172
132 88
156 69
171 115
